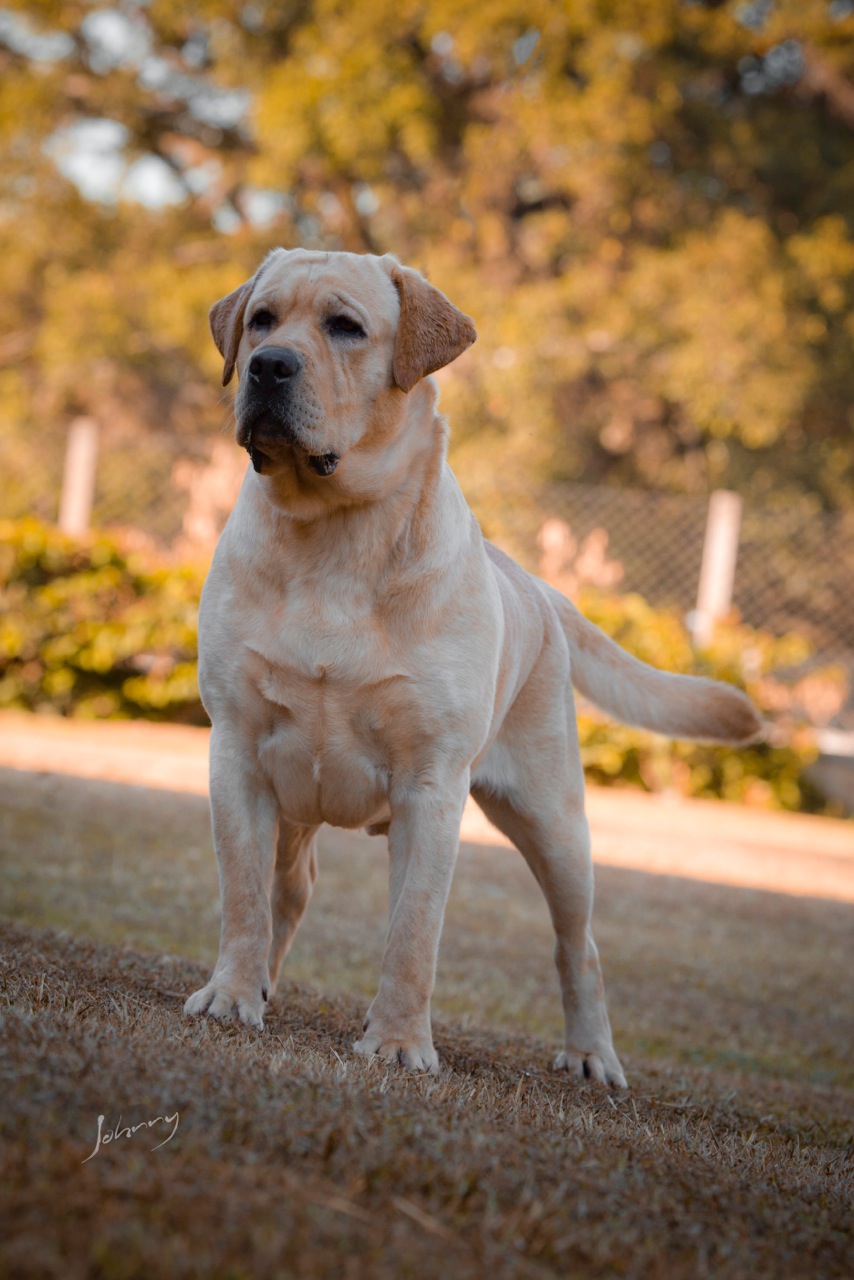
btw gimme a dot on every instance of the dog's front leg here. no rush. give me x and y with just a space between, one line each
245 817
423 840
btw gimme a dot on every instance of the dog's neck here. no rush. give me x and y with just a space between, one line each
399 526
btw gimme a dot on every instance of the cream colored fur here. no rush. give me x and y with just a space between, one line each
368 660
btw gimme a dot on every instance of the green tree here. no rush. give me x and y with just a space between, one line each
645 204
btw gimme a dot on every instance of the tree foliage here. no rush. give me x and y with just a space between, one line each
646 205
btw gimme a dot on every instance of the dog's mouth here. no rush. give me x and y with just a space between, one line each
322 464
258 458
262 449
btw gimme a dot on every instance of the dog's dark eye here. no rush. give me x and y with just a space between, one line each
262 319
345 326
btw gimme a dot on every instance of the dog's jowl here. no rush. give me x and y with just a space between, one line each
368 660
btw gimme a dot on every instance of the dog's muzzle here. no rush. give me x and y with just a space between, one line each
271 374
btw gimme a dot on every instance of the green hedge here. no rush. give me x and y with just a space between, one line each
92 629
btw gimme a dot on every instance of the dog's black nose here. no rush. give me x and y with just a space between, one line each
272 367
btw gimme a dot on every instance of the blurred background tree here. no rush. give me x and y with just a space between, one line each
646 205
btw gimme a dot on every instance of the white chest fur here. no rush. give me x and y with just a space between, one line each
331 696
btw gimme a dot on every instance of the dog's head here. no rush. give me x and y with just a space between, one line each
328 347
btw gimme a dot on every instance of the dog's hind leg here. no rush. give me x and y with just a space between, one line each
531 786
296 872
556 849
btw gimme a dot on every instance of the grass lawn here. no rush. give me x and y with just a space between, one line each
731 1154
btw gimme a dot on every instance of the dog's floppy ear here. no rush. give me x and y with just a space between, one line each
226 321
431 332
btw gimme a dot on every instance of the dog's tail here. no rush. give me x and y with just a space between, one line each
634 693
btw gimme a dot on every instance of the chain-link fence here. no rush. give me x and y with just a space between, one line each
794 570
652 541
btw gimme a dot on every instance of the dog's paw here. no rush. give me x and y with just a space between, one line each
415 1052
603 1067
225 1000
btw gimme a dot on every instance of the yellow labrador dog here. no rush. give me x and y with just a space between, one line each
368 660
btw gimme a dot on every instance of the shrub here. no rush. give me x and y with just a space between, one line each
91 629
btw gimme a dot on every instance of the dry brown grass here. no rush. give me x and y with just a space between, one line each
730 1155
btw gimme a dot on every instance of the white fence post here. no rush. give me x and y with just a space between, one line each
78 480
717 571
